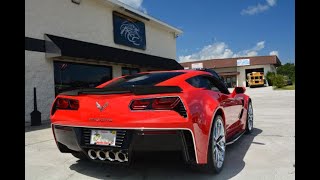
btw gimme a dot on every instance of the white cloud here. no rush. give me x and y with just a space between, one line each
137 4
259 46
220 50
215 50
274 53
272 2
251 10
252 51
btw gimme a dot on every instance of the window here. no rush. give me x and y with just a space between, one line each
143 79
209 83
129 71
70 76
202 82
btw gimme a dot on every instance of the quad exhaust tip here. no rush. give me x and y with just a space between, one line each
111 155
121 156
92 154
101 155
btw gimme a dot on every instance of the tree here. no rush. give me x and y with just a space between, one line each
270 75
287 69
279 81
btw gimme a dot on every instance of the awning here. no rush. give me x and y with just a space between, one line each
63 47
229 73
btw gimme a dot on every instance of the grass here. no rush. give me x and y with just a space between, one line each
290 87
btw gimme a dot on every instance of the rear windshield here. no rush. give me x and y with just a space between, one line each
149 79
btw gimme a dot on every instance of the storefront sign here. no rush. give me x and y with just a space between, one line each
243 62
128 31
196 65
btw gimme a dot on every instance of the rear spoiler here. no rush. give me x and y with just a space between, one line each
137 90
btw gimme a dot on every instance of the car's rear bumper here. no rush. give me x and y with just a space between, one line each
72 139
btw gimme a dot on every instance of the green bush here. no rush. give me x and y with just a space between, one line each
287 69
269 77
279 81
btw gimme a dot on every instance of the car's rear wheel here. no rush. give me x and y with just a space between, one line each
80 155
249 123
217 147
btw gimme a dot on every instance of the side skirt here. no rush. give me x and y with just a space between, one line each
235 138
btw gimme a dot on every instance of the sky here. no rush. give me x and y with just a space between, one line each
227 28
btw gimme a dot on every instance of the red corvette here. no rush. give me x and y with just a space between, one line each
187 110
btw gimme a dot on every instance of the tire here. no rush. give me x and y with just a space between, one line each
217 149
249 122
80 155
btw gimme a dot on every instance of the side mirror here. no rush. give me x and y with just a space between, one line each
239 90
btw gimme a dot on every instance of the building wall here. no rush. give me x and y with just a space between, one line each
241 78
38 74
229 69
91 21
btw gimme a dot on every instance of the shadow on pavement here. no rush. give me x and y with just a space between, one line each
44 125
169 165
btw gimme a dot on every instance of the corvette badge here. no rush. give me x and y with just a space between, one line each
101 108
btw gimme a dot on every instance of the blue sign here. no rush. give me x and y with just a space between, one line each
243 62
128 31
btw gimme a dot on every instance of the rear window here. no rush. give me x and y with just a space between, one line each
149 79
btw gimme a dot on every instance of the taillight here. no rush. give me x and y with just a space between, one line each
140 104
66 104
62 103
74 104
165 103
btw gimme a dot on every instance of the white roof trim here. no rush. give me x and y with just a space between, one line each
120 4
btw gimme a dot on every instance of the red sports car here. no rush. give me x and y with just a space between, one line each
187 110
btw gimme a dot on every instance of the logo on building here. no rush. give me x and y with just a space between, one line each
131 32
128 31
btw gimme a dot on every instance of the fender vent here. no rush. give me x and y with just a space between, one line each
180 109
241 113
188 146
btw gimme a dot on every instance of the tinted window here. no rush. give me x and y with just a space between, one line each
202 82
70 76
143 79
208 82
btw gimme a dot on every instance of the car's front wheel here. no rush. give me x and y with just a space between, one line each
217 146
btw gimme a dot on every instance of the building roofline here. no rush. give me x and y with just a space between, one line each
232 62
125 7
242 57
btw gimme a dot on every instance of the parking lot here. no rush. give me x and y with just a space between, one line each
268 153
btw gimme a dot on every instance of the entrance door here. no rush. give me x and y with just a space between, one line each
229 82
